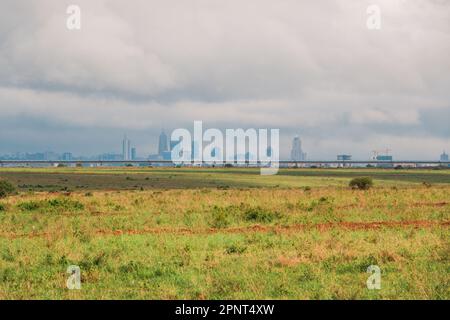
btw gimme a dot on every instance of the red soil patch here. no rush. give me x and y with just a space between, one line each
258 228
380 206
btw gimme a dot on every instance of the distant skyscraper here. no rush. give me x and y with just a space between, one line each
163 144
126 148
297 153
49 155
444 157
384 157
167 155
67 156
133 154
344 157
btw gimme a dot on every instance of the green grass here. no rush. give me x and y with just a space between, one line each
310 265
58 179
224 234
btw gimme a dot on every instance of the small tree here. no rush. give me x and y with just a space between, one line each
361 183
6 188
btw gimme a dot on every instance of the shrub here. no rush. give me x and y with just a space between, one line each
260 215
361 183
2 207
29 206
6 188
219 218
235 249
323 200
62 204
66 204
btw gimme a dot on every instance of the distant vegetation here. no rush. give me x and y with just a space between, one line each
91 179
6 188
362 183
52 205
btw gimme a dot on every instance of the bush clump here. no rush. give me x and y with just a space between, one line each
259 214
361 183
65 204
235 249
59 204
220 217
29 205
6 188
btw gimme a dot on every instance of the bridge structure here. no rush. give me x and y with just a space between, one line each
282 163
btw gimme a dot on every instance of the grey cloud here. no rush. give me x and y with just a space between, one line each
306 67
436 122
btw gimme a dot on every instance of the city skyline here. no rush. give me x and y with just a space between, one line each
163 147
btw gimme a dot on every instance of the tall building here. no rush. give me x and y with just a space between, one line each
444 157
344 157
385 160
67 156
50 156
133 154
384 157
297 153
163 144
126 148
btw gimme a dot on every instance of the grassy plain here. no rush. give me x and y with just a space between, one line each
154 233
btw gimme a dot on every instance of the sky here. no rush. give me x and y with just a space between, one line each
311 68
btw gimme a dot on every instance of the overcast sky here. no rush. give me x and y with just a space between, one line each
311 68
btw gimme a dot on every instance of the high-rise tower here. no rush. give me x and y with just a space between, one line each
163 144
126 148
297 154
